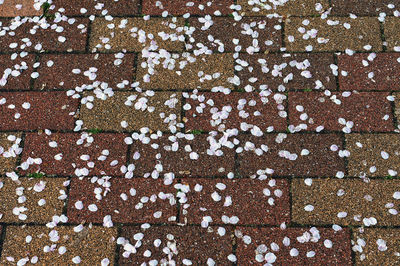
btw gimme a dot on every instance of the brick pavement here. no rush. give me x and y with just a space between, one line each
199 133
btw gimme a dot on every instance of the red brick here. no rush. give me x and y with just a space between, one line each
179 162
365 109
122 211
48 38
270 111
180 8
385 68
321 160
14 8
48 110
37 146
60 75
121 7
339 254
317 64
247 198
23 66
363 7
226 29
192 243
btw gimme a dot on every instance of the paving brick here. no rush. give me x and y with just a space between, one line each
26 35
144 200
57 71
385 69
298 8
239 197
75 7
91 245
369 111
218 65
335 37
108 114
363 7
9 151
354 198
397 105
51 110
260 110
291 241
21 66
367 153
385 253
392 33
199 7
13 8
225 29
179 162
126 34
286 71
42 198
321 160
193 243
38 146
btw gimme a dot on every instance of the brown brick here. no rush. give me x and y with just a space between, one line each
220 65
260 71
108 114
14 8
240 197
339 254
9 147
124 37
22 66
225 29
91 244
385 69
363 7
321 160
56 71
51 190
180 8
354 198
74 34
51 110
121 7
385 253
38 146
133 209
369 111
397 105
366 151
363 31
298 8
192 243
392 33
201 115
179 162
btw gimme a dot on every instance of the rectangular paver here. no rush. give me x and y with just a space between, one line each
15 73
392 33
88 7
363 7
9 151
89 245
283 8
198 7
14 8
345 201
291 155
157 112
332 34
135 200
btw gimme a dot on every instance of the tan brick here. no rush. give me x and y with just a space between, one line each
53 193
187 78
9 150
108 114
367 152
392 32
369 254
91 244
397 105
125 35
356 198
13 8
363 31
293 7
